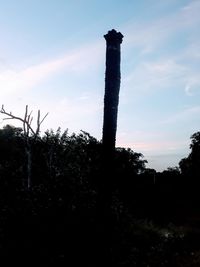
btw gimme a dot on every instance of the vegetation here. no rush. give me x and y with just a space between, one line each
55 222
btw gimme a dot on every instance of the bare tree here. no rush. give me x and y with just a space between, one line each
28 131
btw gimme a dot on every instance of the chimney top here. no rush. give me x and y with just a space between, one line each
113 36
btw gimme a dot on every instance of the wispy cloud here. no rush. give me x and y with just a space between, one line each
72 113
151 143
79 60
192 83
186 115
149 75
177 67
160 154
75 114
161 162
149 35
165 73
68 112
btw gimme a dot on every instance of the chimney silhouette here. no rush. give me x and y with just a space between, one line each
112 87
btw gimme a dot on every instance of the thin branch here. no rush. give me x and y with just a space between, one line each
26 125
44 118
27 120
7 119
29 117
31 120
40 122
38 119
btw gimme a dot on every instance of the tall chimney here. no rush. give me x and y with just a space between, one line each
112 87
106 177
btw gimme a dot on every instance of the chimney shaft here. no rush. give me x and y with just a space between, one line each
112 87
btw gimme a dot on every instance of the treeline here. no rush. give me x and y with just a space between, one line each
54 218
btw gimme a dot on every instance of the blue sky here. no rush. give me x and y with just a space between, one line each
52 57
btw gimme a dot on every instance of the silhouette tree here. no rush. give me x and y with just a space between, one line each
11 156
190 166
28 133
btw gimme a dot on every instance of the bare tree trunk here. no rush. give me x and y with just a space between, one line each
29 165
27 129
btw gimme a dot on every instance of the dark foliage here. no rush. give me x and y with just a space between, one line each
153 220
190 166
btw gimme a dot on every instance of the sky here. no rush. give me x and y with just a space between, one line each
52 58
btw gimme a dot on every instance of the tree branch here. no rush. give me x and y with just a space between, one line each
27 120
